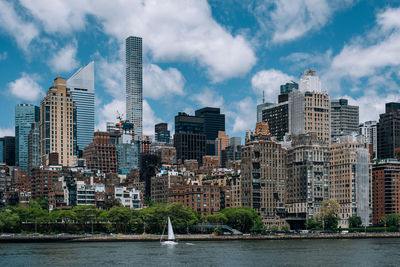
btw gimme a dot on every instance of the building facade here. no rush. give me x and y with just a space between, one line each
369 130
344 118
58 124
214 122
189 138
263 176
100 154
34 146
388 131
277 117
350 179
25 115
162 134
309 108
134 83
7 144
385 189
81 85
307 181
221 143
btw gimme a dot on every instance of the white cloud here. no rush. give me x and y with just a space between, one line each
149 119
12 23
373 52
26 87
293 19
109 113
7 131
301 60
269 82
208 98
65 59
171 30
111 74
159 83
242 114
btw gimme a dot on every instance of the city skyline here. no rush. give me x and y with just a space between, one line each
213 59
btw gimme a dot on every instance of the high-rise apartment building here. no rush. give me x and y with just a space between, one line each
277 115
369 130
344 118
162 134
81 85
260 108
388 130
189 138
25 115
7 144
263 175
232 152
214 121
307 181
221 143
100 154
350 178
309 108
385 189
34 146
134 84
58 124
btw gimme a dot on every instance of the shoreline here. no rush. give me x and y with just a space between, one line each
18 238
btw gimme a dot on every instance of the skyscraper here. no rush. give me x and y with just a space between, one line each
368 129
309 108
189 138
162 134
134 84
81 85
58 124
344 118
263 176
214 122
388 130
8 148
34 146
25 115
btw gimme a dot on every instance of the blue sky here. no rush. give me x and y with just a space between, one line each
196 53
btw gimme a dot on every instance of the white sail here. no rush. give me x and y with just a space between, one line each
171 235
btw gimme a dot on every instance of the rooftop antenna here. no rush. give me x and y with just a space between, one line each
263 98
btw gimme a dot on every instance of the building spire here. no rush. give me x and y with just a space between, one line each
263 98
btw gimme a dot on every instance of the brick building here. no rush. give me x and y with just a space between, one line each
101 154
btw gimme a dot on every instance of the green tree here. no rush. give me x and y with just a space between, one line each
243 219
329 211
9 221
392 220
314 223
109 203
355 221
218 218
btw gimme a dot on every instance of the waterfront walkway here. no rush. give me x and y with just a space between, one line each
5 238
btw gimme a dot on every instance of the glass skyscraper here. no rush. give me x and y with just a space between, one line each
81 85
25 115
134 84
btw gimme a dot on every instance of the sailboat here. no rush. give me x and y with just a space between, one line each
171 236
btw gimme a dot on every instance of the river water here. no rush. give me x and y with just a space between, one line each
354 252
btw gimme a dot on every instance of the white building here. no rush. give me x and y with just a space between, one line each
129 198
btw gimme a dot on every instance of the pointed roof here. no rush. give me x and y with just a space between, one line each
83 78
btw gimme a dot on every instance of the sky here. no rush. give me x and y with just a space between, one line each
199 53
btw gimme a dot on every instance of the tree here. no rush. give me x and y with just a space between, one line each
9 221
218 218
109 203
314 223
355 221
329 211
392 220
243 219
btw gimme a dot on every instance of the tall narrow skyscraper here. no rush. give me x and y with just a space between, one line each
25 115
81 85
134 84
58 124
